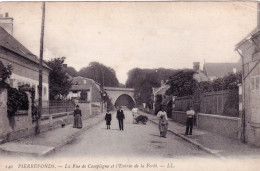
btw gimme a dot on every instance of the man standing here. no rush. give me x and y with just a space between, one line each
135 114
189 123
120 116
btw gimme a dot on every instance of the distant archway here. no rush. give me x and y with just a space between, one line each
125 100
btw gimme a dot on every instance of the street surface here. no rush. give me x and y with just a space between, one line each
137 140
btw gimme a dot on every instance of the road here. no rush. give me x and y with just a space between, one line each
136 140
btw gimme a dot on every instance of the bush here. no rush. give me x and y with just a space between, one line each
16 100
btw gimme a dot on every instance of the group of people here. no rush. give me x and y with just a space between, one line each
162 115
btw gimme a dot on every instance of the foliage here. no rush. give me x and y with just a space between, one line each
16 100
59 81
143 80
83 95
100 73
5 71
182 83
71 71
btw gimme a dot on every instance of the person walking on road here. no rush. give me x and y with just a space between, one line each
134 113
163 122
189 123
120 116
77 118
108 119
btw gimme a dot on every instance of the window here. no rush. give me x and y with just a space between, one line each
85 81
19 84
257 83
44 91
12 82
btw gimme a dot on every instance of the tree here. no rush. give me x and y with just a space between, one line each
143 80
100 73
5 71
59 81
182 83
71 71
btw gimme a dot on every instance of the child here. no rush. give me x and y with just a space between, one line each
108 119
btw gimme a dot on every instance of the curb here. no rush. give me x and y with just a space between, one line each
200 146
73 137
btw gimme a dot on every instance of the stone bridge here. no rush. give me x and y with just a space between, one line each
121 96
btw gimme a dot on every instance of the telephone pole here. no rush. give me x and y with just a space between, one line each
40 72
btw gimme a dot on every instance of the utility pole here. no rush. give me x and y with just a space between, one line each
37 131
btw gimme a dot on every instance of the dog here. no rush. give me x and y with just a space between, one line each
142 119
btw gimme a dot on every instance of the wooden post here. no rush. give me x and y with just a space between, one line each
37 131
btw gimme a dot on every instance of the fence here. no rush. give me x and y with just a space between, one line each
58 107
217 102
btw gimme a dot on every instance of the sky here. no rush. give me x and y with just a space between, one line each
125 35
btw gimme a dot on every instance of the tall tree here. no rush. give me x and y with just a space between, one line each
71 71
59 81
100 73
143 80
182 83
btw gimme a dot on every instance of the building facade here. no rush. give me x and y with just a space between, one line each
80 84
249 51
25 65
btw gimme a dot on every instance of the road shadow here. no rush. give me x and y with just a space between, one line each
155 135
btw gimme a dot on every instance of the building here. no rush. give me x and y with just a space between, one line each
80 84
25 64
220 70
249 51
159 92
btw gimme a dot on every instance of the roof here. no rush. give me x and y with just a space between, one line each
162 89
252 34
80 81
220 69
9 42
80 87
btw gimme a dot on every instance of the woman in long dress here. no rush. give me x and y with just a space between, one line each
108 119
163 122
77 118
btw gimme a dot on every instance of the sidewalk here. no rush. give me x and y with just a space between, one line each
212 143
49 141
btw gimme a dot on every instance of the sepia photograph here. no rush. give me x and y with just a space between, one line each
130 85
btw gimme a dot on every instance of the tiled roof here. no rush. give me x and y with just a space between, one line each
9 42
80 87
80 81
220 69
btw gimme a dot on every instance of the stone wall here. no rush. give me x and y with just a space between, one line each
16 123
224 125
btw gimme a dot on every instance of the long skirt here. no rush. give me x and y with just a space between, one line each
163 127
77 121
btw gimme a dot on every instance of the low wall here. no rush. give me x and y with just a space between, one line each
224 125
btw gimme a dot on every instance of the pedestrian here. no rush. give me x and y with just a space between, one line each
134 113
108 119
77 118
189 122
120 116
163 122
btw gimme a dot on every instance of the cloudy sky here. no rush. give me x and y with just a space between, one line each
124 35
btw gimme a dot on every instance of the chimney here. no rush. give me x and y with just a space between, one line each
162 83
7 23
234 70
196 66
